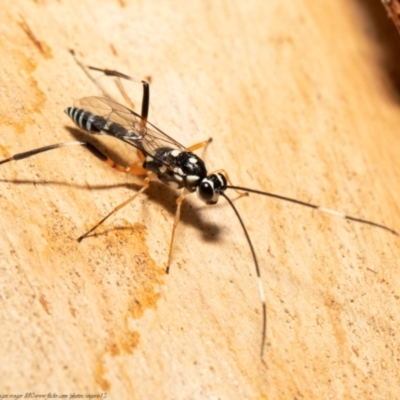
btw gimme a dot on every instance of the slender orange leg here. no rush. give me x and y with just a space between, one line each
121 88
133 169
179 201
146 184
200 145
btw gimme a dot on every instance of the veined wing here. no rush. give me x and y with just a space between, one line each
146 138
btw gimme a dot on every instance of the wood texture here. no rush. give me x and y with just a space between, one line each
302 99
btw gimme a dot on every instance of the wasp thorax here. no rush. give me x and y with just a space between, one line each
176 168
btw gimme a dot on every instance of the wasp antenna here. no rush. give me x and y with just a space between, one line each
111 72
260 285
33 152
319 208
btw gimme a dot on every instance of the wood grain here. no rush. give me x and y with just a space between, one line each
301 99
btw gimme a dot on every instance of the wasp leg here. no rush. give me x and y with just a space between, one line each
146 184
133 169
179 201
124 93
200 145
93 149
146 91
109 72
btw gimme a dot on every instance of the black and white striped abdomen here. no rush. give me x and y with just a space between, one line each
86 120
93 123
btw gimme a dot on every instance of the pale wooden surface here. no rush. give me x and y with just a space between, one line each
301 99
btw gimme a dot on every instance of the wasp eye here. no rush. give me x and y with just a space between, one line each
206 191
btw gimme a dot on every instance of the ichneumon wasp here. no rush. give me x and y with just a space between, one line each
165 159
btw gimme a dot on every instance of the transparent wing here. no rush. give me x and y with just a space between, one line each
147 138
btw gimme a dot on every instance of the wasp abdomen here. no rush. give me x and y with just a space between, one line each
93 123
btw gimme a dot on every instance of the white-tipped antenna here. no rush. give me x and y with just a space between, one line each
260 285
315 207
